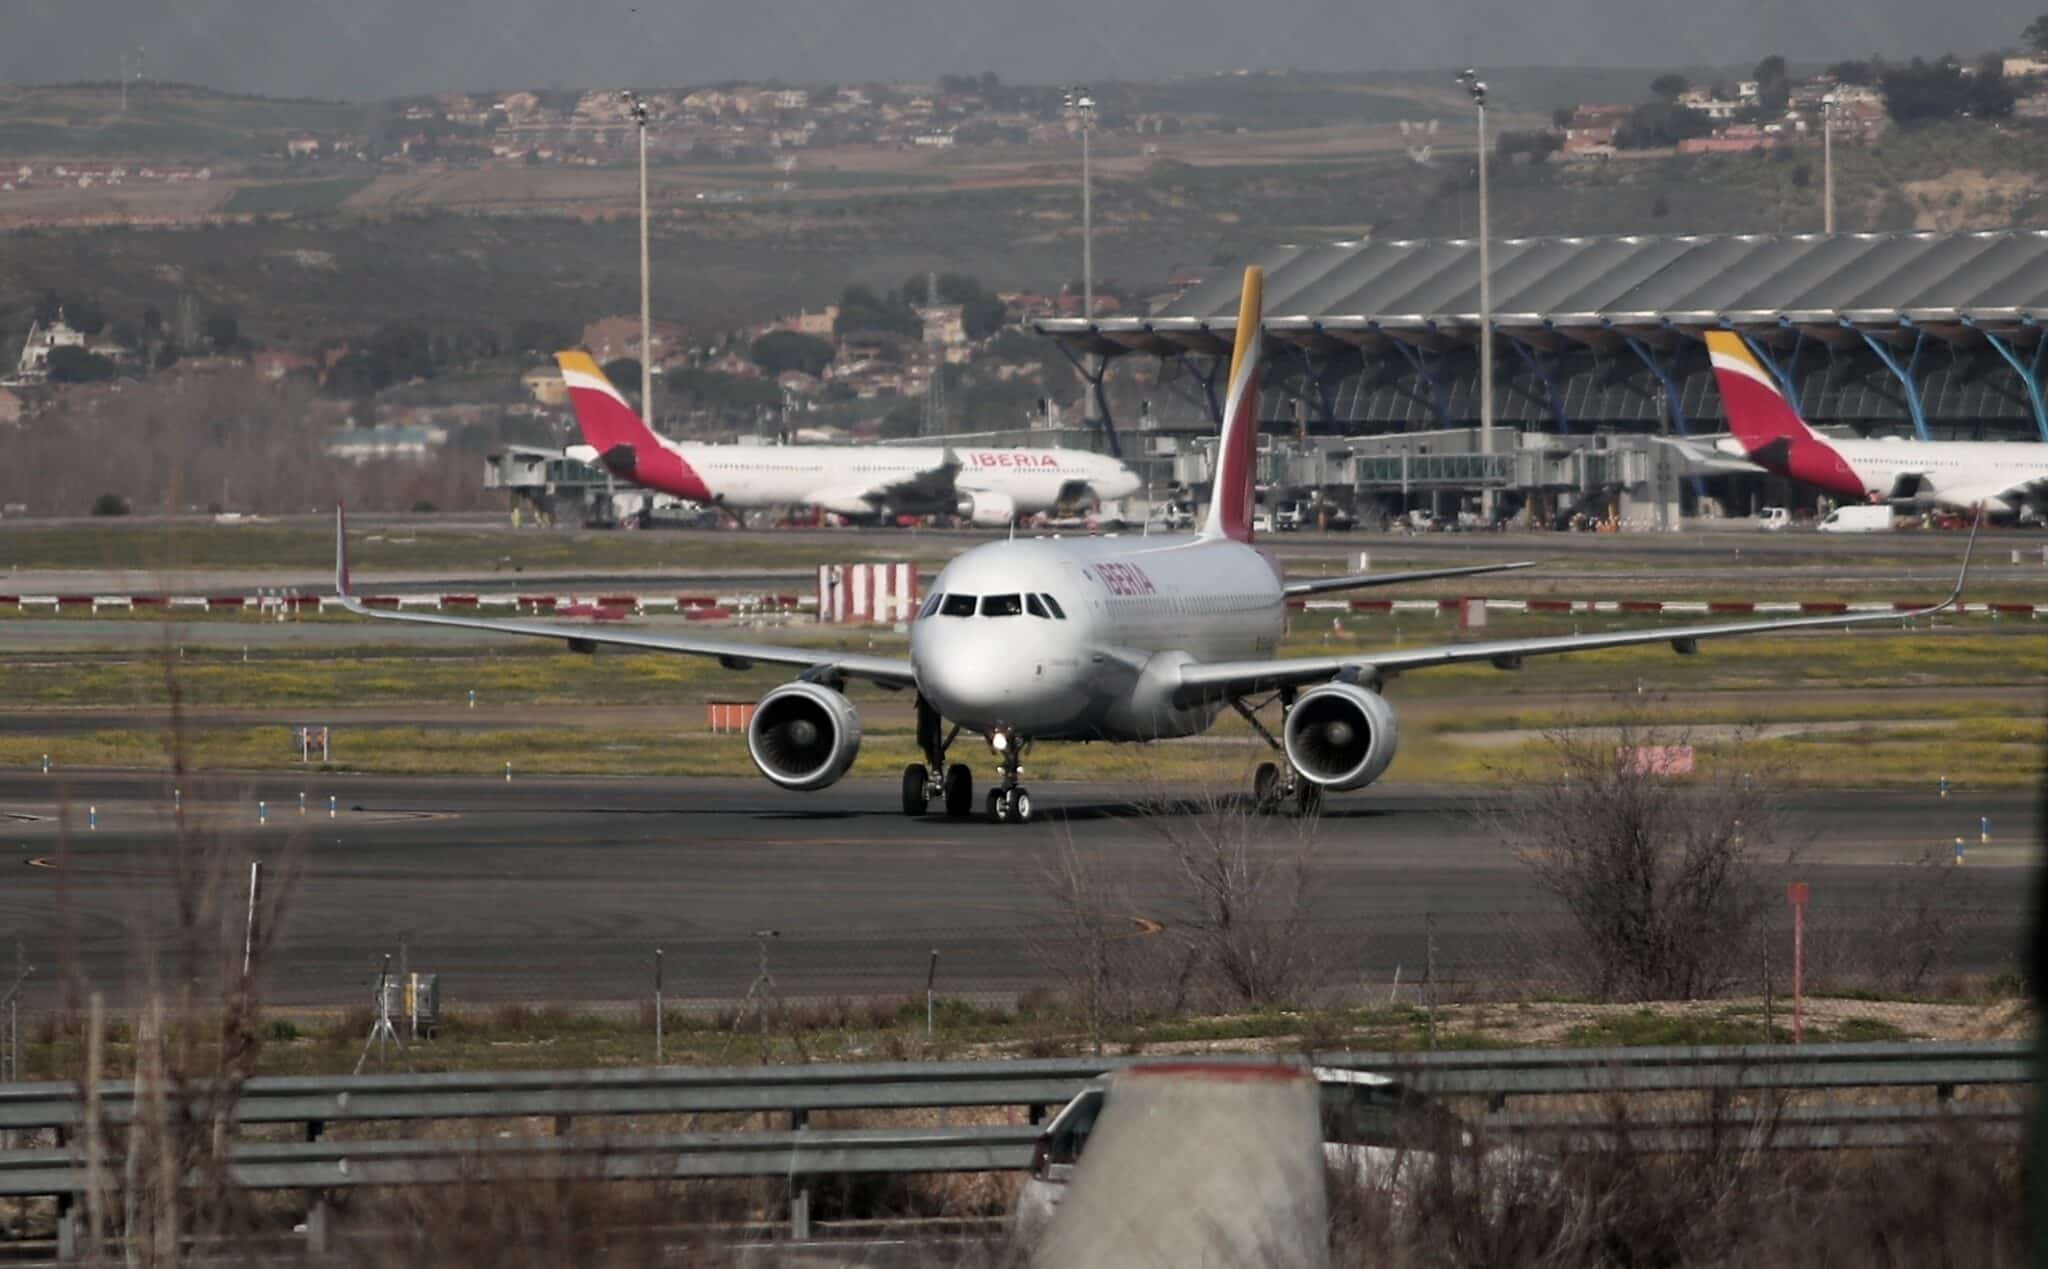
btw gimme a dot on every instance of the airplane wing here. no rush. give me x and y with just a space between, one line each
732 654
917 494
1998 494
1224 679
1361 581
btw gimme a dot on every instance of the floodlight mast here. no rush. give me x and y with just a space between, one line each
1476 86
1827 162
637 111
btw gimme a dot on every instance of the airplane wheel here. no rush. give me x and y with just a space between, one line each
1308 799
1020 807
959 790
998 811
915 780
1266 788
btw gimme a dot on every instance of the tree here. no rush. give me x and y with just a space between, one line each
1928 92
1670 86
624 372
2035 37
1666 877
1656 124
1856 71
85 316
110 504
48 306
223 330
983 316
1532 146
1773 86
71 364
1561 118
781 350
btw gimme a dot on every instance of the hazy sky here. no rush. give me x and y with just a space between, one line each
372 48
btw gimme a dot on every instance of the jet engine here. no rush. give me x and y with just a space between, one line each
1341 736
986 510
804 736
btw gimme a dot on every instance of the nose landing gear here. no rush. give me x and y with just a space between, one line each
921 782
1009 803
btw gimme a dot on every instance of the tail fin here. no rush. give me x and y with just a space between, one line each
626 446
601 411
1231 498
1758 413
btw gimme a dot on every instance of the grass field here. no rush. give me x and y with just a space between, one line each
545 1037
295 196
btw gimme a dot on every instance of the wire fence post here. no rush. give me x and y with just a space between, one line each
1797 893
1429 976
249 928
931 978
658 1058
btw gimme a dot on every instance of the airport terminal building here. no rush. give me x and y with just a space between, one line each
1596 341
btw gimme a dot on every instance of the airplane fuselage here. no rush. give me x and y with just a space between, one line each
850 480
1130 612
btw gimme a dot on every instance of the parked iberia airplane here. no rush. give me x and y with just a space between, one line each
1999 476
988 487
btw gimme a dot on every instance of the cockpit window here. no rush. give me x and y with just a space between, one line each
1035 608
1053 606
931 605
957 606
1002 605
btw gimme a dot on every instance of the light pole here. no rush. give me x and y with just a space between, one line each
637 111
1477 87
1080 107
1827 163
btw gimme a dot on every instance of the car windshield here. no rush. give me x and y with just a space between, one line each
957 606
1383 1115
1002 605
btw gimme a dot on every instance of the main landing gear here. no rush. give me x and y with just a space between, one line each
922 782
1276 784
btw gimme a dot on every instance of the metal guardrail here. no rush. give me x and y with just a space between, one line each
333 1165
317 1165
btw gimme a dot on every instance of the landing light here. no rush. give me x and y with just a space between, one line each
999 742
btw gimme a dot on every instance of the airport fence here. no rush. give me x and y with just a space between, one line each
1452 979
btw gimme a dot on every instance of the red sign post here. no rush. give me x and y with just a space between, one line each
1796 892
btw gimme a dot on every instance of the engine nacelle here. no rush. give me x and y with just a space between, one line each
1341 736
804 736
985 510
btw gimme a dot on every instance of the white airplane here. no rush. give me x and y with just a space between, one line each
2000 476
1115 638
986 487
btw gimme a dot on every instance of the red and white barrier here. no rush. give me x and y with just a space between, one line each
860 593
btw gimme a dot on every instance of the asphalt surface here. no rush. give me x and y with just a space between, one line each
561 889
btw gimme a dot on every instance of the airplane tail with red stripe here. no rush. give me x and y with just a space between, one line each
1769 430
1233 493
624 443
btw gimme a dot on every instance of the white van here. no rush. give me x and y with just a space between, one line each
1858 518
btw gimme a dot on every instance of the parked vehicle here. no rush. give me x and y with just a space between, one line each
1858 518
1774 519
1373 1128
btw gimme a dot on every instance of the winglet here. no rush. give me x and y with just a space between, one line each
341 583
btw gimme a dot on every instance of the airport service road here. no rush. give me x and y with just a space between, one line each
559 889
